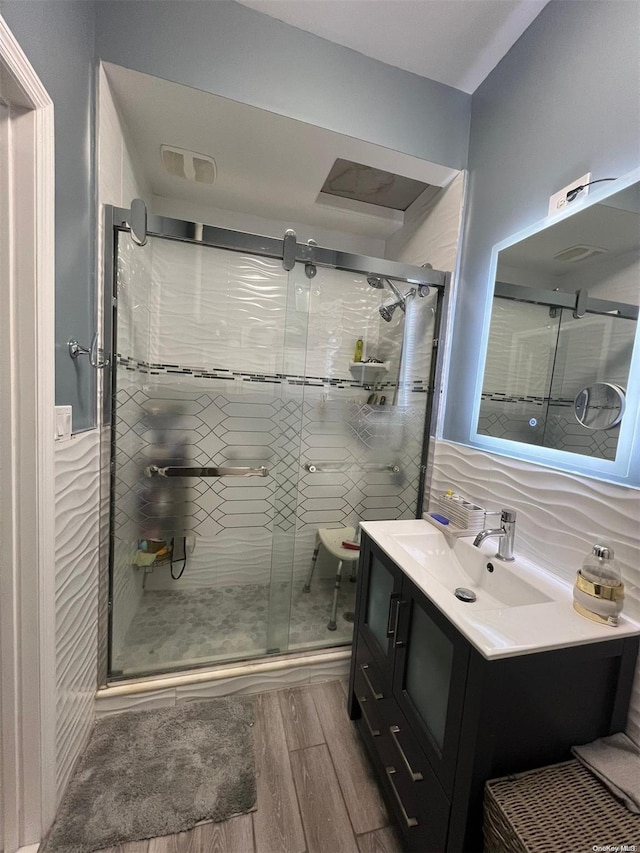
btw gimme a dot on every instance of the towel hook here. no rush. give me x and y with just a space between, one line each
76 349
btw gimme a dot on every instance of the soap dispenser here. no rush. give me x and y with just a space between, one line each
598 593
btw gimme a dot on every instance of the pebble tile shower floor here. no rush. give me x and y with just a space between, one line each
174 627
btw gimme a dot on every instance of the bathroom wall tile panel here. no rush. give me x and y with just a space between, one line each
107 705
560 516
382 503
462 469
134 184
104 531
236 308
126 585
110 145
249 520
340 311
247 491
229 557
432 232
322 517
77 485
253 441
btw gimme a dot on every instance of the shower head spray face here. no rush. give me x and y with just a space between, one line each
386 311
375 281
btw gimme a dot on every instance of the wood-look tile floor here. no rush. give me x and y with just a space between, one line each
316 790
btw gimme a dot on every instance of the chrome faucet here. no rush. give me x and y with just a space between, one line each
506 534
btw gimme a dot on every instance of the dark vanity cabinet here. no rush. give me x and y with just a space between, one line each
439 719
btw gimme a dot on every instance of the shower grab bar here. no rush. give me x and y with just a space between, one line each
180 471
313 468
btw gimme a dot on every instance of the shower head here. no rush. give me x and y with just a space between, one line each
375 281
387 308
386 311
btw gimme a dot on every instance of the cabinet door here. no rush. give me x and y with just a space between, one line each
429 678
381 582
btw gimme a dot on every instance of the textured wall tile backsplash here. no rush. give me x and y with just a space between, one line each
77 540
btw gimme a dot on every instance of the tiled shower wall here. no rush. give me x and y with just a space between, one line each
528 347
246 364
560 516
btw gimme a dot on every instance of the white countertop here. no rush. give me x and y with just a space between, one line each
497 631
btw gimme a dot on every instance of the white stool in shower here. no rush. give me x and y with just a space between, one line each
332 540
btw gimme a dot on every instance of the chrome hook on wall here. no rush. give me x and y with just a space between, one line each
76 349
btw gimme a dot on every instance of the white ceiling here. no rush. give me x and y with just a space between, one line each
456 42
268 165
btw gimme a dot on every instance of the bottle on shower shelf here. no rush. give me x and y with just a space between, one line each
357 355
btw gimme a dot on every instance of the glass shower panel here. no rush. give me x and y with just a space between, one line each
192 581
362 433
287 472
518 371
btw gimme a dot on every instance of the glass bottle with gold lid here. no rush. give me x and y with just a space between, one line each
598 593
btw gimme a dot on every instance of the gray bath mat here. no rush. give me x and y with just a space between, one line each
149 773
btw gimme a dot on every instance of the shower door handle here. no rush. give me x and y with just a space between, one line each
181 471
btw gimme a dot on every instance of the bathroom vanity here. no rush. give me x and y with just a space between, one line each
448 694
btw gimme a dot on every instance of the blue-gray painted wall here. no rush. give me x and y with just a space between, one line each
58 39
564 101
220 47
230 50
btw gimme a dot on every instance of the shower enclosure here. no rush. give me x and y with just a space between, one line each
241 425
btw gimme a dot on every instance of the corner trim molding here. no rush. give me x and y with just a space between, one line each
27 600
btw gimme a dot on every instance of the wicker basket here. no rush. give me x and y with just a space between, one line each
558 809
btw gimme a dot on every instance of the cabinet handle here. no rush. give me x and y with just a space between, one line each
410 821
393 599
373 732
363 669
398 642
415 777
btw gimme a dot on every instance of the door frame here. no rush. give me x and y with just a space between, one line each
27 496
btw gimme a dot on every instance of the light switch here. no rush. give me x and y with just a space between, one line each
63 423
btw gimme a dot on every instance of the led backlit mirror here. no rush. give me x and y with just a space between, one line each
563 326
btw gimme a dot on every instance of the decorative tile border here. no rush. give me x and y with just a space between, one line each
503 397
155 369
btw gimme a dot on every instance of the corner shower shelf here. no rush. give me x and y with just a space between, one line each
368 373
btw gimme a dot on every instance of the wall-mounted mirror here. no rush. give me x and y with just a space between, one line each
562 336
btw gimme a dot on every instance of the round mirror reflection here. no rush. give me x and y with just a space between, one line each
600 406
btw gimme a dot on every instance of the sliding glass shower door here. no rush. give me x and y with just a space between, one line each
246 424
205 451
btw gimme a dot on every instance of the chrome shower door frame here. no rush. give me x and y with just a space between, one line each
118 220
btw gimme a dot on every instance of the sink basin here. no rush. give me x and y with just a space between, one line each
520 608
495 583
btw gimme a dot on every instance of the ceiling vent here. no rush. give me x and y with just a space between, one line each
187 164
362 183
578 253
